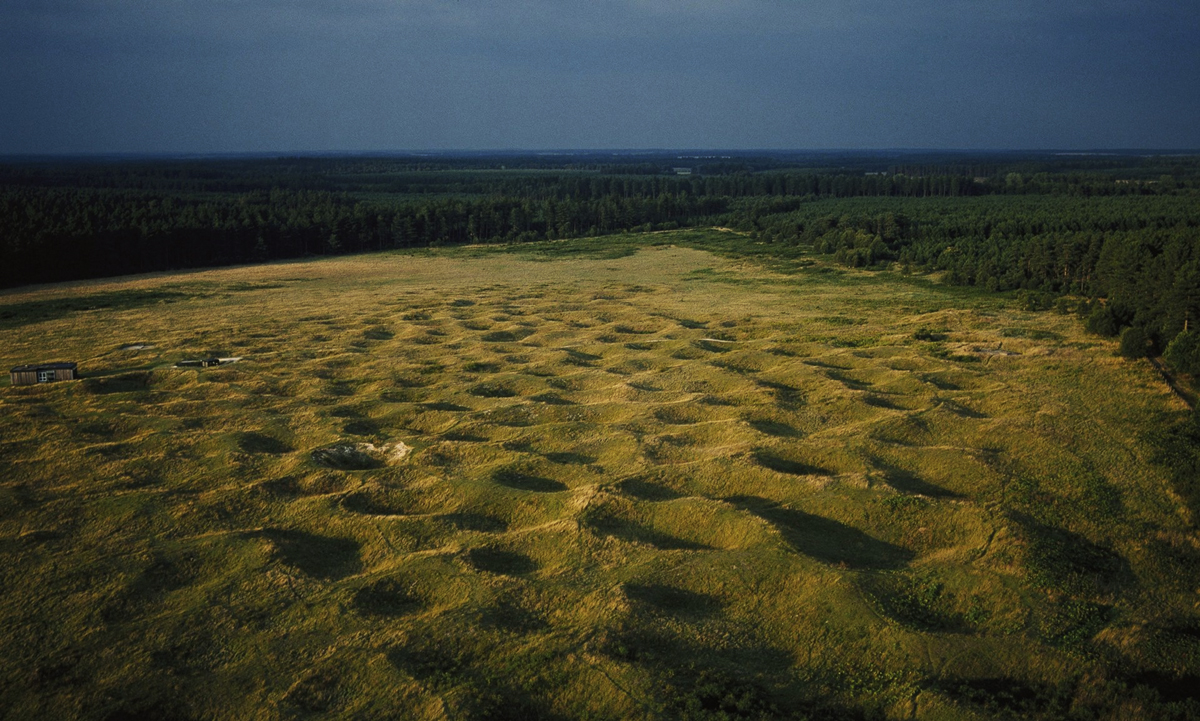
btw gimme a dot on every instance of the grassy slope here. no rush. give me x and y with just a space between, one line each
643 482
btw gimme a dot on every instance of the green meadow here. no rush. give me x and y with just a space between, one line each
645 478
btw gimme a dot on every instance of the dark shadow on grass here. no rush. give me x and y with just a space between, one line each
1006 697
906 481
125 383
361 427
493 390
324 557
961 410
500 561
876 400
159 577
579 355
443 406
506 615
691 680
439 665
774 428
507 336
572 459
918 602
847 381
306 486
634 532
786 397
463 437
387 597
521 481
480 522
712 347
645 490
259 443
150 710
824 539
372 504
378 333
940 383
1063 560
675 601
483 367
15 315
779 464
552 400
679 415
1175 689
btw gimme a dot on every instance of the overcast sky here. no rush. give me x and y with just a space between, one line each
101 76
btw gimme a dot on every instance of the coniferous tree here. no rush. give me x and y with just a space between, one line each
1183 353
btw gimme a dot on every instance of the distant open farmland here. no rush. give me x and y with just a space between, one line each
649 483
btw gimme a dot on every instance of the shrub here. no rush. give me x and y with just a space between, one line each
1134 343
1183 353
1103 321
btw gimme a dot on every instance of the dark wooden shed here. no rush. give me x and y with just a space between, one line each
43 373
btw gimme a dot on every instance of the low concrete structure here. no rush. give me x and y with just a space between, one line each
206 362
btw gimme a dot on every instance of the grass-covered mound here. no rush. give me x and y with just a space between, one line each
641 484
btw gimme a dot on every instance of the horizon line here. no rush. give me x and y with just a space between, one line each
616 152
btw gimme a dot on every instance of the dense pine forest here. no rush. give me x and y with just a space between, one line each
1111 237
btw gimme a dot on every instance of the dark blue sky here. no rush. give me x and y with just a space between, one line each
101 76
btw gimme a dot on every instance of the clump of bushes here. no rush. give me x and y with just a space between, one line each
1183 352
1134 343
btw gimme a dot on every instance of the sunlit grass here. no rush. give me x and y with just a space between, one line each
641 480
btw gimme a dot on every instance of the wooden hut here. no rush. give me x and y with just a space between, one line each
43 373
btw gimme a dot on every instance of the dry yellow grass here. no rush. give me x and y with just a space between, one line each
630 476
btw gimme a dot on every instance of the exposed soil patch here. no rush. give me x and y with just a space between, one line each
360 456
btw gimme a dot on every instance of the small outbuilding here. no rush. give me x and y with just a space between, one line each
43 373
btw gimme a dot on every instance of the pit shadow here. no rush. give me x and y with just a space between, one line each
824 539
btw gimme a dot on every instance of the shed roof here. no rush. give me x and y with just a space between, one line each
60 365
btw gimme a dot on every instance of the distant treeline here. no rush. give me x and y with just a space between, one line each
53 234
1119 233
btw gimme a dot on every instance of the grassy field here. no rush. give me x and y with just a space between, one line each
645 481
